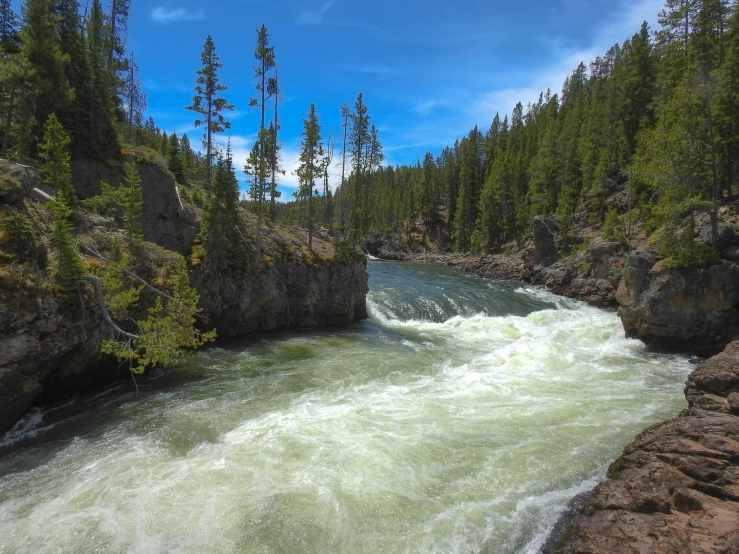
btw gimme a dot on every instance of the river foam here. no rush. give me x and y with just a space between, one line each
462 417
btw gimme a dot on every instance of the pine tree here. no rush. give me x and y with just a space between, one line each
8 28
132 200
56 161
135 96
208 104
51 92
76 116
15 86
273 146
101 136
345 123
311 154
54 152
14 71
224 245
359 139
266 86
174 157
726 106
118 29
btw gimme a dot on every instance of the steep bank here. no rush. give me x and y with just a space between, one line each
48 351
674 489
291 287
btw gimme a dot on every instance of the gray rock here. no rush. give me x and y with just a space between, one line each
291 294
725 238
685 310
731 253
164 222
545 246
592 275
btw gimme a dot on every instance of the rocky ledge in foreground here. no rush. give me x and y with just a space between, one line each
675 489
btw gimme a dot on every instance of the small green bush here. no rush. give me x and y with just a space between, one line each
19 241
681 249
614 228
11 190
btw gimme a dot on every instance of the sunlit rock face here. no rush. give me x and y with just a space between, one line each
686 310
675 488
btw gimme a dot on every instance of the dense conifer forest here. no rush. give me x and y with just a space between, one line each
641 138
644 136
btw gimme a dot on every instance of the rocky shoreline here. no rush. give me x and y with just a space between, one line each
675 488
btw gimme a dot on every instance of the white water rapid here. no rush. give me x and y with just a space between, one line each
462 417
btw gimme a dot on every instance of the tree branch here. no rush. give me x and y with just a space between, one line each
100 296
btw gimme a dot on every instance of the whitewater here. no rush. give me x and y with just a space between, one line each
461 417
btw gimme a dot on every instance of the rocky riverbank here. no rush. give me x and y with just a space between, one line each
675 489
693 310
48 351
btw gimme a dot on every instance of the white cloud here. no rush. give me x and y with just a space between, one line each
424 107
241 147
503 100
316 16
164 15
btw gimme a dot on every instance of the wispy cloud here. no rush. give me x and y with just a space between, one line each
503 100
424 107
164 14
316 16
381 71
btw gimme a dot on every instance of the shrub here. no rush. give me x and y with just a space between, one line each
19 241
681 249
11 190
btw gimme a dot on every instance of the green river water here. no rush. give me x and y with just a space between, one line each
461 417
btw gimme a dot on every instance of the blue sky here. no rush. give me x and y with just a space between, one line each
429 71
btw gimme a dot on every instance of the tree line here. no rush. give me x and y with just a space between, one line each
644 136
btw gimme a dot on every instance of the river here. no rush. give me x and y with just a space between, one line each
461 417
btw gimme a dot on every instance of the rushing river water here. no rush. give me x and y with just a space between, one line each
461 417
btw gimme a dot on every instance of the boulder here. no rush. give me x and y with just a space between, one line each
725 238
684 310
715 383
591 275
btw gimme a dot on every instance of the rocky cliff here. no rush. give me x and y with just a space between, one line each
48 350
675 489
683 310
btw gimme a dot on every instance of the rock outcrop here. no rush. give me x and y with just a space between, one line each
683 310
675 489
45 351
166 220
48 351
545 251
289 294
592 274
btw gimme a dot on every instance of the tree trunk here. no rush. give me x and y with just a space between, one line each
8 122
209 161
